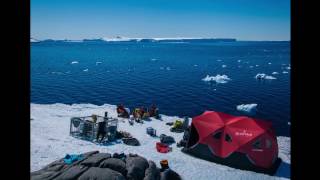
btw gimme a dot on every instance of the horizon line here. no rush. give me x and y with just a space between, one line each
119 38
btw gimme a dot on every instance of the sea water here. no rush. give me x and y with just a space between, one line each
182 78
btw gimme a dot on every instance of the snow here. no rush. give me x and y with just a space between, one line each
248 108
264 76
218 78
50 141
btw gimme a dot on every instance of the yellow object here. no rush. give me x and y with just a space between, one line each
177 124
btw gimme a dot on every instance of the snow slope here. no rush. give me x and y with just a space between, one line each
50 141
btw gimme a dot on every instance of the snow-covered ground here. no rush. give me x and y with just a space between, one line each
50 141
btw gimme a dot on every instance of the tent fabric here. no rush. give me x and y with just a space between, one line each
72 173
225 134
152 172
95 159
136 167
115 164
101 174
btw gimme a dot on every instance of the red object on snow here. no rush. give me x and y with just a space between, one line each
162 148
222 135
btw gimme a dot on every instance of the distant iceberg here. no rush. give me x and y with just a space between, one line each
74 62
218 78
34 40
284 72
264 76
248 108
274 73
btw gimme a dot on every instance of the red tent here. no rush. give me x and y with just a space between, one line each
242 142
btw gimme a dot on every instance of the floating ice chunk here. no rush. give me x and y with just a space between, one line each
269 63
98 62
289 123
264 76
219 60
86 70
218 78
288 67
248 108
250 66
153 59
257 65
224 66
59 73
74 62
275 73
168 68
284 72
239 60
195 65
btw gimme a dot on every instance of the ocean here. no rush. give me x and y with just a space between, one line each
171 75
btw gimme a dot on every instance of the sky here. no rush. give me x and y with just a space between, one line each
88 19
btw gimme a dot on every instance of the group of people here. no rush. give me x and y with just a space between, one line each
138 113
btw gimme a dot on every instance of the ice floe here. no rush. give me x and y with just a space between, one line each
264 76
224 66
274 73
247 108
74 62
218 78
86 70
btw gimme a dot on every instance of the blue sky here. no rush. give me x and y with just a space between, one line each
241 19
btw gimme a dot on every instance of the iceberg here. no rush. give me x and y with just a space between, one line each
248 108
218 78
224 66
274 73
264 76
74 62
